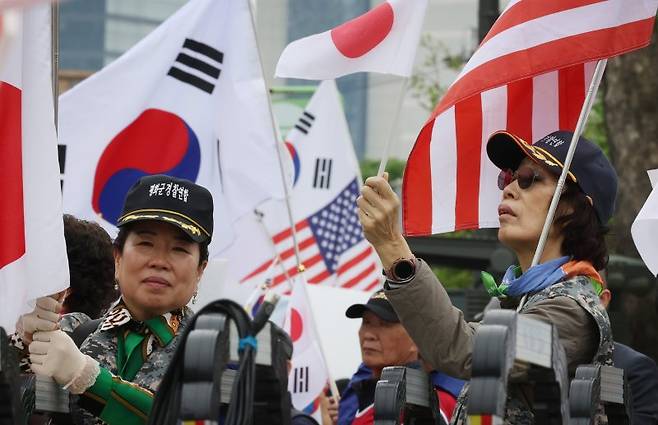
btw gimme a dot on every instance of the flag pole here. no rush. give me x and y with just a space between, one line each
580 126
330 378
277 257
394 127
277 138
54 49
300 266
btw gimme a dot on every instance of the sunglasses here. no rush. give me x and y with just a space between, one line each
525 176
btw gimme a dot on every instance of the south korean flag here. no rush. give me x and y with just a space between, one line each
309 374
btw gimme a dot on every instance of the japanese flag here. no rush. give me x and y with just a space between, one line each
33 258
382 40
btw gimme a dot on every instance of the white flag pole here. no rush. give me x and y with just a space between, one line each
580 126
300 266
391 135
330 378
277 257
275 130
54 51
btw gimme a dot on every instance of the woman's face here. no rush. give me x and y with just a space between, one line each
522 212
158 270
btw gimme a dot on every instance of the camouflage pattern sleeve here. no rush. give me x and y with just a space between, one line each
116 401
70 321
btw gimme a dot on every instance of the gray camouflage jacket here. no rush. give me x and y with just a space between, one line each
430 318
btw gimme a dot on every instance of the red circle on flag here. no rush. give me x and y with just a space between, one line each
357 37
296 325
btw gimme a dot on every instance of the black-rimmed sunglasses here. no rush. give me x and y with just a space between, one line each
525 176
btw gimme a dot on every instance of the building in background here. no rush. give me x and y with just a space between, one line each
95 32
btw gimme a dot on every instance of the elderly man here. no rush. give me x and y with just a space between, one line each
384 342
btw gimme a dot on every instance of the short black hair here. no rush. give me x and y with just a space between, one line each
91 267
124 231
584 234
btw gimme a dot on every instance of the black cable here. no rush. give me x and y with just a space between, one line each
167 402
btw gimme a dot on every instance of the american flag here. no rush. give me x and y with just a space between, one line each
332 248
529 76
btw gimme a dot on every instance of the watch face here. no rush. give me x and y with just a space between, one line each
404 269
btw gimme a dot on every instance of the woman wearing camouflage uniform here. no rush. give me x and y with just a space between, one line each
562 289
160 254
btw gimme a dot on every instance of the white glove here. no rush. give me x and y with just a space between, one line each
44 317
55 354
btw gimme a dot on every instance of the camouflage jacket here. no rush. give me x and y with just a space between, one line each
580 290
118 396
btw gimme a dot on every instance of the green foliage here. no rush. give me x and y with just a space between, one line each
453 278
425 82
395 168
595 129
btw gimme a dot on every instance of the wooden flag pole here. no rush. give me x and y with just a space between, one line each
580 126
394 127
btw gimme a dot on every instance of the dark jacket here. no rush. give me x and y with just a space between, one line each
359 393
642 374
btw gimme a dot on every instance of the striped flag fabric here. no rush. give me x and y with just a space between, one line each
33 259
529 76
326 183
332 248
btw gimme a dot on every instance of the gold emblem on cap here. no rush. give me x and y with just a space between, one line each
379 295
141 214
185 226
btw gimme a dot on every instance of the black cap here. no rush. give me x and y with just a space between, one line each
377 304
176 201
590 169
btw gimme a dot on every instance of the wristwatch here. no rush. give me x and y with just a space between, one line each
402 270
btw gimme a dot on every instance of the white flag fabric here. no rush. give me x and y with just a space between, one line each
382 40
33 258
645 227
189 100
308 375
326 183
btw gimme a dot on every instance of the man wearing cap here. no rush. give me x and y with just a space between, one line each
642 376
384 342
160 254
562 289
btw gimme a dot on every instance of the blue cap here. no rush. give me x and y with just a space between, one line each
590 168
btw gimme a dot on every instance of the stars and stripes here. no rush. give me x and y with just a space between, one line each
331 244
529 76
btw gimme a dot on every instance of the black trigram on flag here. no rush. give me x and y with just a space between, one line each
300 380
305 122
322 175
198 65
61 157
